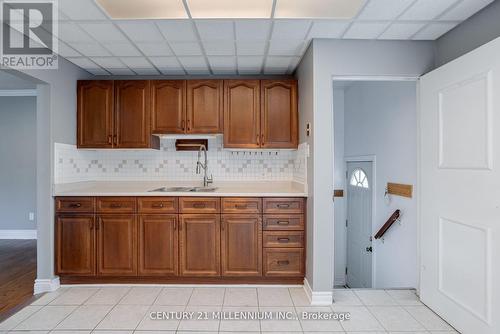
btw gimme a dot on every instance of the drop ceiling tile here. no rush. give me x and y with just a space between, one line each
136 62
401 31
278 62
103 32
210 29
384 10
290 29
318 8
141 31
155 49
434 31
250 62
328 29
251 48
121 49
165 62
177 30
97 71
186 48
276 70
252 29
120 71
290 47
82 62
81 10
364 30
108 62
71 32
66 51
198 71
222 65
426 9
90 49
465 9
230 8
145 71
194 65
219 48
172 71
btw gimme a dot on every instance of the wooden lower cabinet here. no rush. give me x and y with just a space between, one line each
75 245
199 245
158 245
116 245
241 245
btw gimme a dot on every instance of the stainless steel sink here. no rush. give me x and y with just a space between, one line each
184 189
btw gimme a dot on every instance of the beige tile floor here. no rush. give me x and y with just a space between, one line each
127 309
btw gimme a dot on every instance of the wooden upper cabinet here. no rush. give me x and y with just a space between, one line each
132 114
158 245
204 106
199 236
241 245
75 245
168 106
116 245
95 114
241 114
279 117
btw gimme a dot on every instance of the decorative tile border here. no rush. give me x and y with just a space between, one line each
72 165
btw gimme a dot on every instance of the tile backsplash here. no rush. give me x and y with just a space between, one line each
72 165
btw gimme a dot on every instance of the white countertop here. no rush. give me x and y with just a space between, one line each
143 188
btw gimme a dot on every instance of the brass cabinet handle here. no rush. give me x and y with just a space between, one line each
284 262
115 139
199 205
282 222
262 139
283 239
75 205
157 205
258 140
110 139
189 125
183 125
283 206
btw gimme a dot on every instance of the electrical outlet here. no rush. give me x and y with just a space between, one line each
31 216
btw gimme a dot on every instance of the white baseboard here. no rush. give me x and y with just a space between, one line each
46 285
318 297
17 234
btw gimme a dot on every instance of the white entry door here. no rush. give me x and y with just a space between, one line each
359 224
460 191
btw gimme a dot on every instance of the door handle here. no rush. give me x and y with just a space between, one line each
369 249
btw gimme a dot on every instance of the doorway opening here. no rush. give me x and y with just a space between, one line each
375 143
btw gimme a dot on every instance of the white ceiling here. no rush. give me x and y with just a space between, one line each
91 40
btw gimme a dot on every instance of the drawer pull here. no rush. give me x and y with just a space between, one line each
75 205
115 205
157 205
283 206
283 262
283 239
283 222
241 206
199 205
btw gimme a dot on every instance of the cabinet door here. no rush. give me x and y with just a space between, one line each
168 101
95 114
241 244
241 113
75 245
199 245
116 245
279 117
132 114
204 106
158 245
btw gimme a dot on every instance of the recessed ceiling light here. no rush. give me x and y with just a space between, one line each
236 9
334 9
143 9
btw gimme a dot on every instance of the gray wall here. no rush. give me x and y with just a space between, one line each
479 29
18 162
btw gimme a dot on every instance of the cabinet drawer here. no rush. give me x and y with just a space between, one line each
199 205
283 205
284 239
284 222
116 204
241 205
284 262
75 204
157 204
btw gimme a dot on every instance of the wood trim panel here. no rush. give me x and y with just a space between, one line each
75 204
241 205
180 280
284 222
283 239
156 205
199 205
275 205
284 262
399 189
116 205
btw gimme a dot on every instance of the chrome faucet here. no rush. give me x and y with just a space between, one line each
206 180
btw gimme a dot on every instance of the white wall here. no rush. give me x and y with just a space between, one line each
339 183
17 162
380 120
